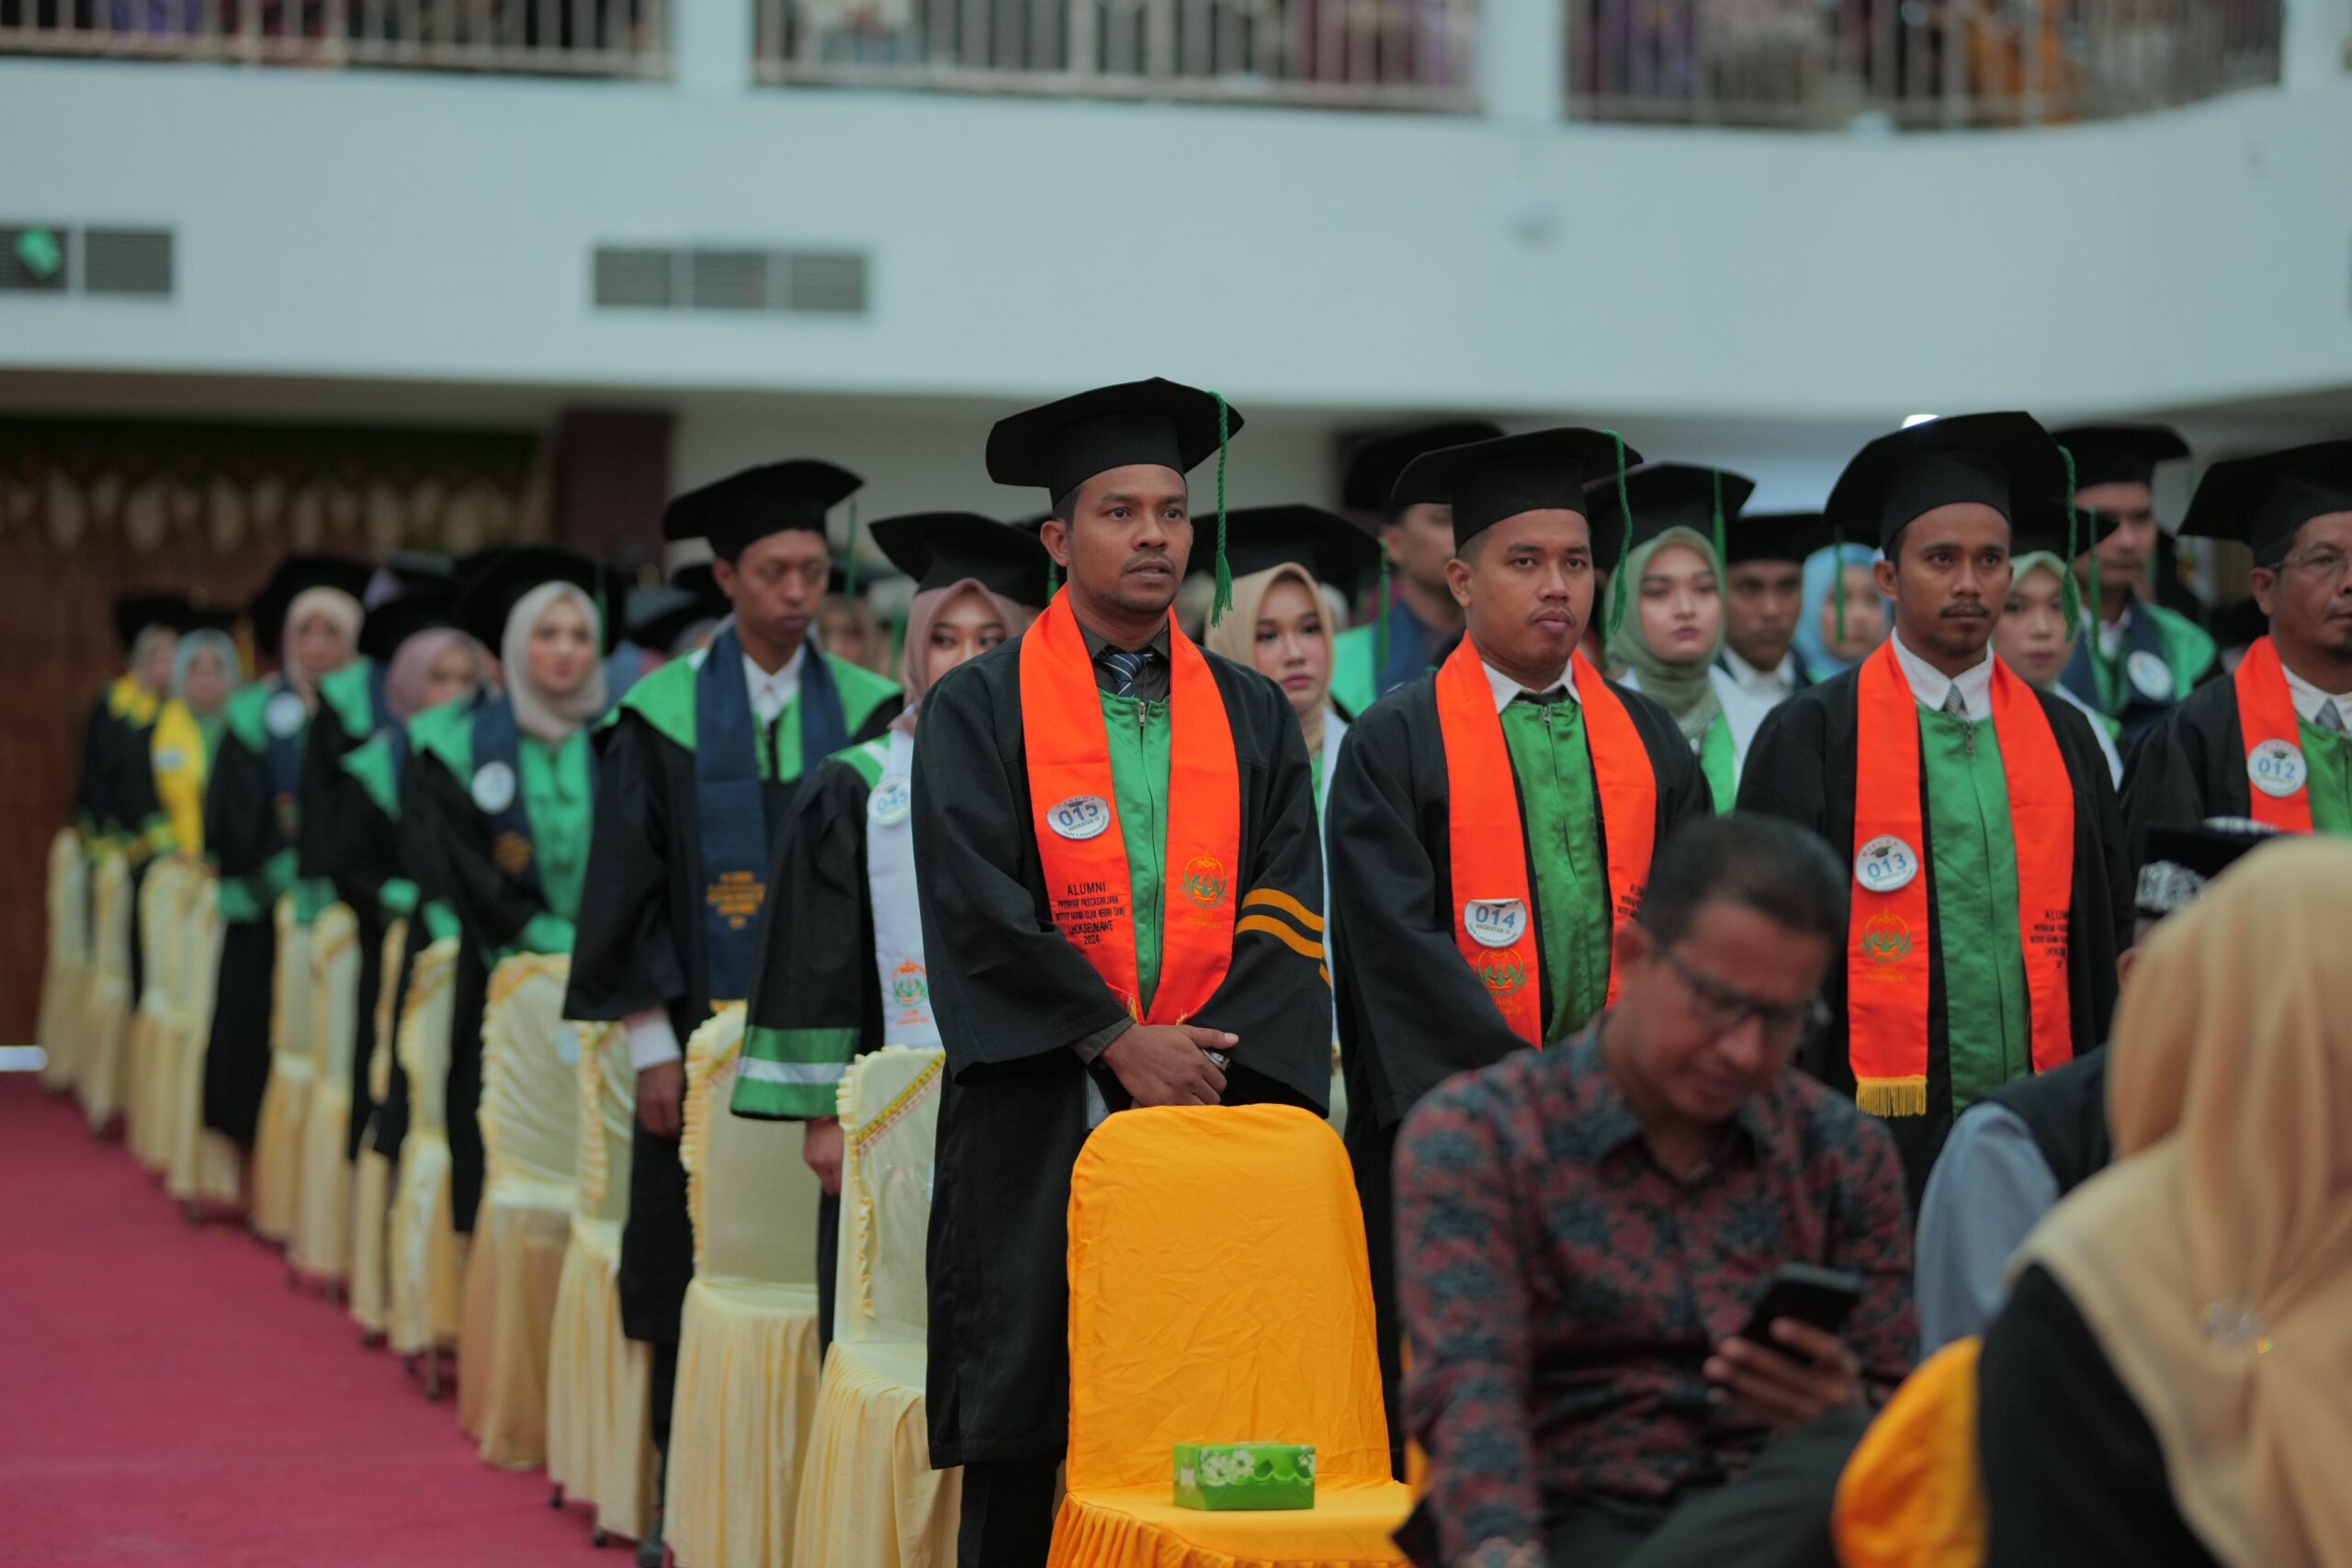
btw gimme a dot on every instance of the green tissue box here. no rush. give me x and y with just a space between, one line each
1230 1476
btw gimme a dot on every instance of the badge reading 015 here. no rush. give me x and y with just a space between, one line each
1080 817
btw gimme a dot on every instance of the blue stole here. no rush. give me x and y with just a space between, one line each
283 759
2138 710
731 804
497 741
379 704
1408 650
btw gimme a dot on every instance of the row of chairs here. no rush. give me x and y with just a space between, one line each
1188 1320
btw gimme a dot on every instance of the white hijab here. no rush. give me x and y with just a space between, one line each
538 713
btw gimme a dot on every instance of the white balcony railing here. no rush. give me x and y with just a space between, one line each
1379 55
1953 63
586 37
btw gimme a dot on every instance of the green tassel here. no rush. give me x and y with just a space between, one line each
1624 505
1723 545
1380 627
1224 598
849 570
2073 597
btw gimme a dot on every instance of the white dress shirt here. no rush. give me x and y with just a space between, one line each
1507 690
1930 685
652 1039
1773 685
2308 699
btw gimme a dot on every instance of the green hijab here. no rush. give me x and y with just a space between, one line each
1681 684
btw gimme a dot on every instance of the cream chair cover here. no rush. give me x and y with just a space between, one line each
106 1026
427 1257
286 1098
154 1030
868 1495
371 1172
600 1442
747 1351
530 1101
65 980
321 1244
205 1166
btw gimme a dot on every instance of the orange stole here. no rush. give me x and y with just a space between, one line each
1074 804
1494 919
1888 927
2274 741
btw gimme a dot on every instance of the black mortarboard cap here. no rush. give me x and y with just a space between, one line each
294 575
393 621
1775 536
2118 454
2180 862
1372 468
742 509
1059 446
2262 500
1664 496
1258 538
134 612
490 595
1544 470
938 548
2006 461
2047 534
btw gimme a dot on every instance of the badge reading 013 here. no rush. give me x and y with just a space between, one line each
1885 864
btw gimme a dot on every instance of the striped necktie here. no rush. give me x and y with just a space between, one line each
2330 718
1954 703
1124 667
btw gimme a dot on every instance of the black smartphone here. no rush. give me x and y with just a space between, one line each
1822 1297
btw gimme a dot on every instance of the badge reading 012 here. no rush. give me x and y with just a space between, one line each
2276 768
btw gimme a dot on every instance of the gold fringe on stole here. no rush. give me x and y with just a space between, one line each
1892 1097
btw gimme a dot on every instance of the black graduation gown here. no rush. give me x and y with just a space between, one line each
639 944
1802 767
241 833
345 838
2188 768
116 796
1012 996
1412 1013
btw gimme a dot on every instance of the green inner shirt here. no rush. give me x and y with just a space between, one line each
2328 756
1139 735
1974 846
556 784
1554 764
1720 762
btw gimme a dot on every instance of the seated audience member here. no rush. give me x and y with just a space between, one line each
2171 1380
1580 1229
2013 1156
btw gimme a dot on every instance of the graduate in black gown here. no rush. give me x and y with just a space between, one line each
306 617
113 790
693 773
842 967
1992 894
1582 778
1138 848
2271 741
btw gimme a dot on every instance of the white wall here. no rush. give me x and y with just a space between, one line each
397 228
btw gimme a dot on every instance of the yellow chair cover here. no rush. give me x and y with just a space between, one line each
1199 1316
747 1351
286 1097
1911 1496
530 1101
66 977
321 1245
427 1257
100 1073
205 1166
868 1495
600 1441
154 1032
371 1173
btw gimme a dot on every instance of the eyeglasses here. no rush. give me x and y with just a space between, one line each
1722 1007
2327 566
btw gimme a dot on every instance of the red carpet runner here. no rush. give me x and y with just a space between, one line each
165 1400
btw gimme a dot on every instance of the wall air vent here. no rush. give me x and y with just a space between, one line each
59 258
731 277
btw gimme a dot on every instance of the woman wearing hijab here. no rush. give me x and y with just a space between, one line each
2035 636
1666 645
1819 641
2168 1383
840 969
206 671
306 617
498 796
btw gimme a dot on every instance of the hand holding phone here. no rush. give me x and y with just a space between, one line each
1786 1366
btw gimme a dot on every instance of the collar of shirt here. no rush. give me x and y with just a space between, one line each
1153 682
1780 680
771 694
1507 691
2111 633
1608 1125
2308 699
1931 685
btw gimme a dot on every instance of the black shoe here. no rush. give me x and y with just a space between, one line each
649 1545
